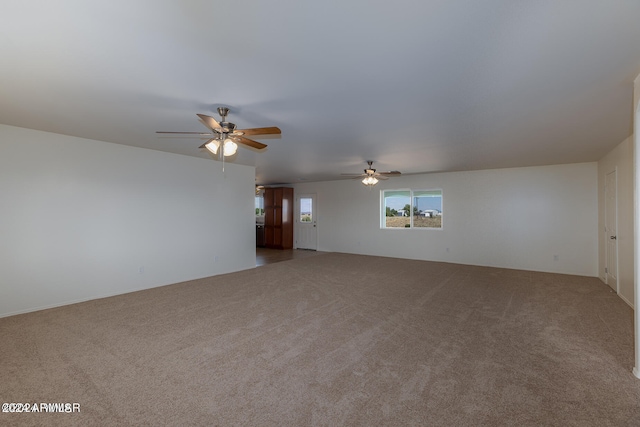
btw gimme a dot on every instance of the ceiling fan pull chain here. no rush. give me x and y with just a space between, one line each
221 152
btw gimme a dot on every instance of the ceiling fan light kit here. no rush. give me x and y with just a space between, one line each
229 149
370 181
370 175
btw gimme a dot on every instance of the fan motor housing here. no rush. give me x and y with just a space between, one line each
227 127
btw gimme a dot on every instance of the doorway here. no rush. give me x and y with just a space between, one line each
611 229
306 222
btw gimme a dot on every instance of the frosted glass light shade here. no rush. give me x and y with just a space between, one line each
230 147
370 181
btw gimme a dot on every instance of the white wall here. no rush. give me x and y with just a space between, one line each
513 218
620 159
82 219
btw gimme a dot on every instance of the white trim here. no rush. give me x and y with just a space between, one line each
636 207
607 232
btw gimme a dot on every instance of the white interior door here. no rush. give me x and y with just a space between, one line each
306 224
611 229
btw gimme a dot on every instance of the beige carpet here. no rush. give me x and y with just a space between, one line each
333 340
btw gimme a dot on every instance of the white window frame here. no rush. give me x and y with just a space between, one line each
383 211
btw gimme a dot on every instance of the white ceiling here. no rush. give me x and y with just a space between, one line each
417 86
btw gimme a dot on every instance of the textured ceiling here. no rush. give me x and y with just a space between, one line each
416 86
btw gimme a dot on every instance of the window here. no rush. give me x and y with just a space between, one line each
306 209
397 205
411 209
427 204
259 206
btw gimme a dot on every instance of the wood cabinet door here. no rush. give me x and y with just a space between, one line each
277 238
268 197
277 197
278 217
269 237
269 214
269 217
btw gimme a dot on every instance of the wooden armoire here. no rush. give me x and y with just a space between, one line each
278 217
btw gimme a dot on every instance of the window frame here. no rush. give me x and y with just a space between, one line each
412 191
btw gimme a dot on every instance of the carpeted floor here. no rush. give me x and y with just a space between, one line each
331 340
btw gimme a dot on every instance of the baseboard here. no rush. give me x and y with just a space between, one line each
74 301
629 303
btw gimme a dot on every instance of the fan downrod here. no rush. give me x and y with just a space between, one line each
370 170
223 111
227 127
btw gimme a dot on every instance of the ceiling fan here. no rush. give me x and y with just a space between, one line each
225 134
370 175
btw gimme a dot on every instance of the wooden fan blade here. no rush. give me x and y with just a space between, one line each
354 175
203 145
186 133
261 131
393 173
249 142
210 122
382 177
